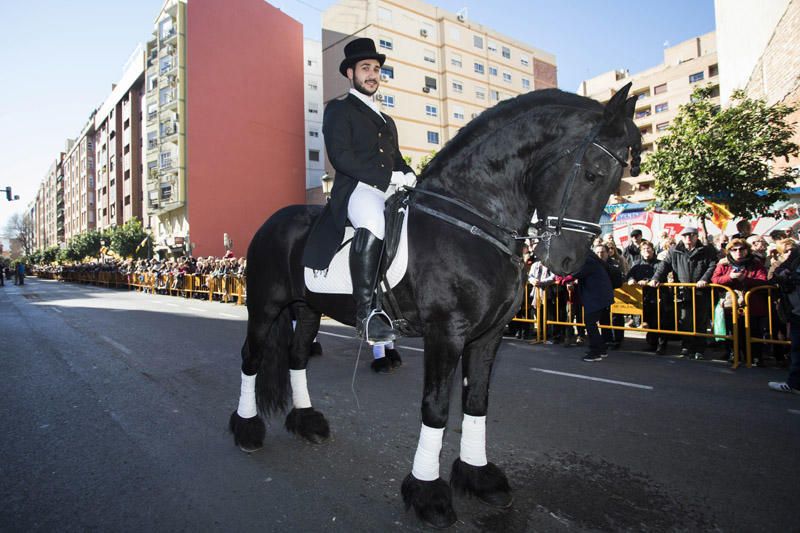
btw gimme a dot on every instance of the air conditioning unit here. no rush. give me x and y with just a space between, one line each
460 18
384 77
426 89
379 97
423 32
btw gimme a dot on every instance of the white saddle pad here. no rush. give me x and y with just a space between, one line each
337 280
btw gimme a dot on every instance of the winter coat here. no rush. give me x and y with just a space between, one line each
688 266
594 284
755 274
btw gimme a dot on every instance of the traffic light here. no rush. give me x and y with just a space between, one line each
8 193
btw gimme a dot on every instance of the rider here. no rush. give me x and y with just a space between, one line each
362 146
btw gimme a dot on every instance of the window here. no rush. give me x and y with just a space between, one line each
126 149
523 60
458 87
431 110
313 108
433 137
127 175
386 43
713 70
507 77
455 60
643 94
113 210
128 200
494 95
126 124
166 192
458 113
492 71
506 52
660 108
480 93
313 155
662 126
659 89
388 100
526 83
384 14
430 83
477 42
491 46
642 113
479 68
313 133
388 72
697 76
429 56
312 86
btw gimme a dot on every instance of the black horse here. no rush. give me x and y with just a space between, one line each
547 152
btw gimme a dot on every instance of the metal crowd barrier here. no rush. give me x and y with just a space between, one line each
628 300
227 288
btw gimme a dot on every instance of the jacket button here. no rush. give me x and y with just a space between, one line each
380 150
382 165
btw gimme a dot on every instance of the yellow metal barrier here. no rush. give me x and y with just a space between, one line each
748 332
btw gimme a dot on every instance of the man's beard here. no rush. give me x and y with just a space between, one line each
358 86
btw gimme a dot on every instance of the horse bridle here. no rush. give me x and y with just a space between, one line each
547 228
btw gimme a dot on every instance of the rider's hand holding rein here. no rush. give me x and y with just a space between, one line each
401 180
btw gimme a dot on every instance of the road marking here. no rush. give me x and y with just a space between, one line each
229 315
590 378
794 411
115 344
56 309
355 339
172 305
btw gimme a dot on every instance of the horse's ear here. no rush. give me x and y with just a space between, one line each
618 105
630 106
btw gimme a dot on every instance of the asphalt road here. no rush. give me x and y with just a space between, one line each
115 407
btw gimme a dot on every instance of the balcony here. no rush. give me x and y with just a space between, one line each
152 116
168 37
152 144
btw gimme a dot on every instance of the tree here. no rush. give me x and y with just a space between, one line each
126 239
723 155
424 160
20 228
84 245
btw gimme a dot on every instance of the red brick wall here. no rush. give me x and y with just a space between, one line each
544 75
245 120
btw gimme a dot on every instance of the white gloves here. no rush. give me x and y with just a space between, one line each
399 179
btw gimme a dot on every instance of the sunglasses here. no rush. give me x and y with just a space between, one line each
738 249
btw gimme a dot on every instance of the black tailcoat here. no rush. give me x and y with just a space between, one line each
361 147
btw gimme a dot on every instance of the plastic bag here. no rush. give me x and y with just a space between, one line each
719 322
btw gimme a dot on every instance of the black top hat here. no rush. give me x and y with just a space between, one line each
358 50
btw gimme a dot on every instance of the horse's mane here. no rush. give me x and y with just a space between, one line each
502 113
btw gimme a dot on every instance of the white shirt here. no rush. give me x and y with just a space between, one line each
367 100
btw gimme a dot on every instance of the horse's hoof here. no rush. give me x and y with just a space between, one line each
394 357
309 424
316 349
432 501
487 483
248 433
381 366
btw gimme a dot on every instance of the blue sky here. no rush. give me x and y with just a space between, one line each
60 58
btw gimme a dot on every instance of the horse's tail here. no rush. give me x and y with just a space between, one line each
272 380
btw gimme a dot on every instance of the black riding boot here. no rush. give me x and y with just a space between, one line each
365 256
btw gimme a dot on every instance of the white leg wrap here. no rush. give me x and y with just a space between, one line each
426 460
300 397
473 440
247 397
378 351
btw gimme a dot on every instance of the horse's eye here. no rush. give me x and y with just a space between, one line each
591 177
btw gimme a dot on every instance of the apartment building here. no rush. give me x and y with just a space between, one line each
442 69
48 207
224 130
79 183
313 105
661 90
118 187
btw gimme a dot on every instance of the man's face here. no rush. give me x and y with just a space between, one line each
366 76
689 239
759 245
647 252
636 238
601 252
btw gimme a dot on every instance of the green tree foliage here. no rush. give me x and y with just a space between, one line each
724 155
126 238
49 255
423 162
84 245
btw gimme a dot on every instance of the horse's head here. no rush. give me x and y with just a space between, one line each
575 181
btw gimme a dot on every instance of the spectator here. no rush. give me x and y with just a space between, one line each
597 295
758 248
640 275
720 243
788 277
743 229
691 262
665 245
555 300
777 235
631 252
741 270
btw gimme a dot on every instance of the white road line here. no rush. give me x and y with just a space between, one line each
794 411
115 344
172 305
590 378
228 315
56 309
355 339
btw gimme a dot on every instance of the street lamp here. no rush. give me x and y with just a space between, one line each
327 186
9 196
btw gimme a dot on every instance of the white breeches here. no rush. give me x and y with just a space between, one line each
365 208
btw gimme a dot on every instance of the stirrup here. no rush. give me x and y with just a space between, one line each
365 328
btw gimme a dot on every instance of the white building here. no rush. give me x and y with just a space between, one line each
315 144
